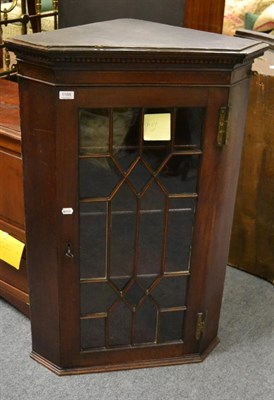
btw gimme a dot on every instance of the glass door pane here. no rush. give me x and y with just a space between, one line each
138 171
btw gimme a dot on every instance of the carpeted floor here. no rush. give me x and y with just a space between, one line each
240 368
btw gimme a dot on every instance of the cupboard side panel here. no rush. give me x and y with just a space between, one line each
68 237
225 191
39 159
208 202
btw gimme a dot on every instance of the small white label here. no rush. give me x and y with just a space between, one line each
67 211
66 95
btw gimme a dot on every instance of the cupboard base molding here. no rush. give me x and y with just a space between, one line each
165 362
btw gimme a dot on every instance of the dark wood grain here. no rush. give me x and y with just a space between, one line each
204 15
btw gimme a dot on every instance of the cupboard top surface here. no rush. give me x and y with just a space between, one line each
135 35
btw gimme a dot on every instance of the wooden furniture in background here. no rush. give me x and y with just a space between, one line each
205 15
128 233
252 239
13 283
19 17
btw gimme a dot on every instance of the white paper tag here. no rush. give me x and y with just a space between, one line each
66 95
67 211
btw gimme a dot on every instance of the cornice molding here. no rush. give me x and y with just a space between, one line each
148 60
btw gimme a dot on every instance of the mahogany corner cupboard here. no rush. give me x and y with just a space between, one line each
131 138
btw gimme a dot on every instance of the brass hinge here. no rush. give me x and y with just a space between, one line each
222 138
200 326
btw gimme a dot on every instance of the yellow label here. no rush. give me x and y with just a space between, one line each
11 249
157 127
